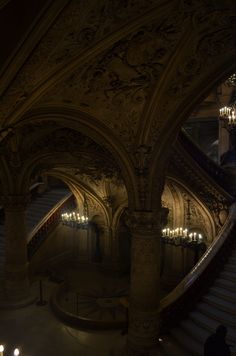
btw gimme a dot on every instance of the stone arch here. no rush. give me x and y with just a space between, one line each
88 126
78 187
174 120
179 195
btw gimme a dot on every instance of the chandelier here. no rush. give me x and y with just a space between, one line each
231 81
15 353
228 113
75 220
180 236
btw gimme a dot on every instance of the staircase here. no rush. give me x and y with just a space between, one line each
40 206
218 306
35 211
2 256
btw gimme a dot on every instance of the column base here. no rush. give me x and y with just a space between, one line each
143 332
142 352
16 295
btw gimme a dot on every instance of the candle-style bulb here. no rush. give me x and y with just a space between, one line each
16 352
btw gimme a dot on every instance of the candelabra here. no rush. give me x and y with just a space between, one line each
181 237
228 113
16 351
75 220
231 81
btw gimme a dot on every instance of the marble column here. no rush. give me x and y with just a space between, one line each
144 320
16 272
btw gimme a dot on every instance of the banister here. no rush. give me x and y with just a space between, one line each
185 286
40 231
210 166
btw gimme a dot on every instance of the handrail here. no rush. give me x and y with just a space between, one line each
205 261
47 216
211 167
40 231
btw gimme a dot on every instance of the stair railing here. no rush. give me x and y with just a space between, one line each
178 303
211 167
40 232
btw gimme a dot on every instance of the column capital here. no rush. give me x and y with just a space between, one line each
15 202
144 221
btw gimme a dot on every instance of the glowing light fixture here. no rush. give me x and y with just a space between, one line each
75 219
228 113
181 235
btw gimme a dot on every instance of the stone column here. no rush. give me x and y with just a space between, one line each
173 270
145 282
16 273
105 241
111 257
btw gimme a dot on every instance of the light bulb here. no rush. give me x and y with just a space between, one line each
1 348
16 352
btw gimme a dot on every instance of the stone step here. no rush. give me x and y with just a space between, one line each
230 267
232 259
228 275
233 254
43 201
223 293
196 332
222 305
227 284
210 325
220 316
190 345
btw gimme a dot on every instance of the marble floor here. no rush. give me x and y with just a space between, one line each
36 331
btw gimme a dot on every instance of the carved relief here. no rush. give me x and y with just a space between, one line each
76 29
57 147
93 207
114 88
208 193
213 37
145 324
144 221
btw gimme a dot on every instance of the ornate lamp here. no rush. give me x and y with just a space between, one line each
75 220
15 353
231 81
228 113
181 236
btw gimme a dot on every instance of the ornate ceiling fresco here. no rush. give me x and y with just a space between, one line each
114 87
135 68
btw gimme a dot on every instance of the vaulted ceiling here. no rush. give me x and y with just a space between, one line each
126 74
